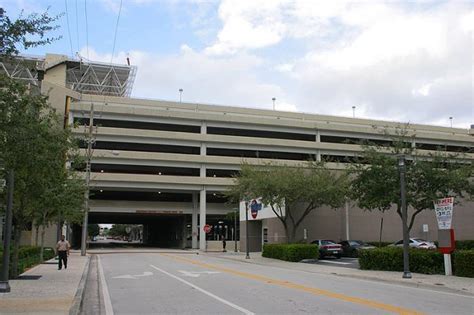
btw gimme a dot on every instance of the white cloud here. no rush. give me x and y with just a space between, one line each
424 90
228 80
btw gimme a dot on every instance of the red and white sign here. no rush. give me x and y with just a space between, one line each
207 228
444 212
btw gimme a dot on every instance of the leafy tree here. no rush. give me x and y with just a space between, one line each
27 131
376 183
21 33
93 230
292 192
118 230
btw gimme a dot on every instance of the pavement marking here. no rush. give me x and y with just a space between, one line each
243 310
291 285
105 291
145 274
334 262
196 274
124 277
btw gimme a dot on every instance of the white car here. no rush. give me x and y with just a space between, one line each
417 243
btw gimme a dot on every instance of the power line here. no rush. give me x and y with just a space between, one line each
116 28
77 27
87 29
69 29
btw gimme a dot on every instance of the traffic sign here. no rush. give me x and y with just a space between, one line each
444 212
207 228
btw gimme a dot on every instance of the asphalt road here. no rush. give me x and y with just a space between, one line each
344 262
160 283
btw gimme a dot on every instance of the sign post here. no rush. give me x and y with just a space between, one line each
444 209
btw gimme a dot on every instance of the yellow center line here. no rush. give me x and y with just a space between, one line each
291 285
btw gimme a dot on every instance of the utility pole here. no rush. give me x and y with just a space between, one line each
235 230
88 179
4 285
406 262
247 256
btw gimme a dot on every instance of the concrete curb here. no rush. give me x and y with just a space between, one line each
401 282
77 302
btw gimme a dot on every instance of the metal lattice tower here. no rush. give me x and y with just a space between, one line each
85 77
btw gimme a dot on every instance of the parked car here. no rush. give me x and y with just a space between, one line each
417 243
328 248
350 248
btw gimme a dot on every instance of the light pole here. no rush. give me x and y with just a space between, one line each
353 111
451 121
247 250
235 230
406 262
4 285
88 179
180 94
273 99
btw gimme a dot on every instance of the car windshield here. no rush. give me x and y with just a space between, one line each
419 240
358 243
327 242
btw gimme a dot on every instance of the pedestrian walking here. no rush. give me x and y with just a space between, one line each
62 248
224 244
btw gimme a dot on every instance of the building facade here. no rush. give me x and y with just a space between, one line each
165 164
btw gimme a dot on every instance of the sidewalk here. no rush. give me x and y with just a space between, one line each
52 293
436 282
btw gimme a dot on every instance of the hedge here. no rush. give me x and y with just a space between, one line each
465 245
29 256
391 259
291 252
463 263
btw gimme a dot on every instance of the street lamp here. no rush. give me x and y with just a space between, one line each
353 111
273 99
4 285
235 229
180 94
451 121
247 256
406 262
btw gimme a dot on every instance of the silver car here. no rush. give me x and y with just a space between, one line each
417 243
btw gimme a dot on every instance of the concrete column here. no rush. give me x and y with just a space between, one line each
194 223
318 152
202 219
184 233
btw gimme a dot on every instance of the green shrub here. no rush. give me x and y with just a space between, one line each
391 259
29 256
290 252
463 263
465 245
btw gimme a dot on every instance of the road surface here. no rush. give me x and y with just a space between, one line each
161 283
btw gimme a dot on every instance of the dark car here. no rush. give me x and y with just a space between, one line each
328 248
351 248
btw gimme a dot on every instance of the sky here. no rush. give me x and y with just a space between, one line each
407 61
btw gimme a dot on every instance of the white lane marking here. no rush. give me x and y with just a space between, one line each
196 274
335 262
145 274
243 310
124 277
105 291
